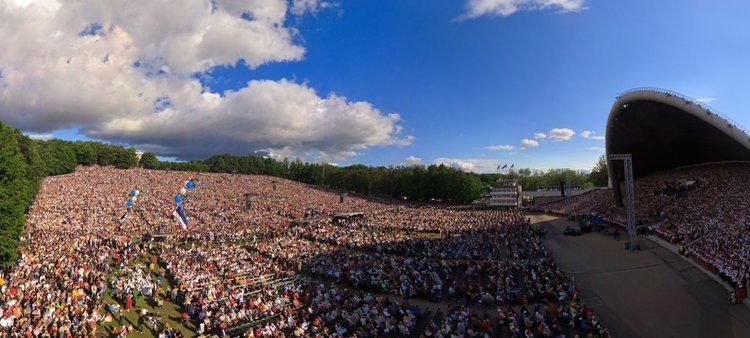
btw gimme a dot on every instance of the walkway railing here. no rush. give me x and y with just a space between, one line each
689 100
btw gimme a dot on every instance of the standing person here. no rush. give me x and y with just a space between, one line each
142 319
128 302
201 329
185 318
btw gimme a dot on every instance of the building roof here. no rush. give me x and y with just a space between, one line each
665 130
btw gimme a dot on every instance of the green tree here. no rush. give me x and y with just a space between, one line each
600 174
149 161
30 150
125 158
16 192
59 156
85 152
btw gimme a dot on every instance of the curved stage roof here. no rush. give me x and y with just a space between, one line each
665 130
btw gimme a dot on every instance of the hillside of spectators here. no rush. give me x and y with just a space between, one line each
277 266
704 209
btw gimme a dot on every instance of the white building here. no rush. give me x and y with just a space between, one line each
504 193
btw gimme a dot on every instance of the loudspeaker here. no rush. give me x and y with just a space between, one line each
562 188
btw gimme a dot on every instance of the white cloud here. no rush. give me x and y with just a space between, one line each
463 165
596 148
412 160
500 148
470 165
540 136
706 100
300 7
591 134
403 142
560 134
477 8
529 143
124 71
39 136
280 116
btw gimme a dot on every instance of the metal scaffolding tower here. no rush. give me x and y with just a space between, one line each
627 161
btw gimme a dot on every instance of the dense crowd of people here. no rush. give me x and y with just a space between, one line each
703 209
263 257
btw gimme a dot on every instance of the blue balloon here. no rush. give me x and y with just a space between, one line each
190 184
178 199
129 203
133 192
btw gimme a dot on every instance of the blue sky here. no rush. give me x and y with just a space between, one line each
461 85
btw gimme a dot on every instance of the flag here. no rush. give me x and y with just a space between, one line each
512 165
180 215
505 166
129 205
125 216
498 167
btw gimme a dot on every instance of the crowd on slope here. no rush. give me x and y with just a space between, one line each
277 266
704 209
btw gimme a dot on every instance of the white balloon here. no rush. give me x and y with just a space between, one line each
183 191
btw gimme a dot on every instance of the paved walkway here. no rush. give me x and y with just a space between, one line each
650 293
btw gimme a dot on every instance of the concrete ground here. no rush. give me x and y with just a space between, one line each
649 293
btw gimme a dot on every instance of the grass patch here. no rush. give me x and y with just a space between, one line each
170 314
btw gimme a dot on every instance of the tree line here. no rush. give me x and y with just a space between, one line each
417 183
551 179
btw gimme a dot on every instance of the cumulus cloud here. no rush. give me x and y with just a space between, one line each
706 100
596 148
529 143
412 160
283 117
126 71
560 134
500 147
478 8
540 136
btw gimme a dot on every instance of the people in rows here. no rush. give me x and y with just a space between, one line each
277 267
